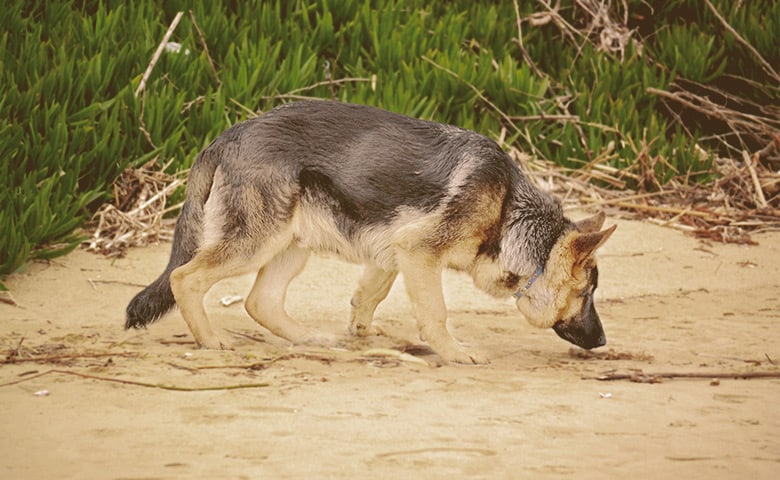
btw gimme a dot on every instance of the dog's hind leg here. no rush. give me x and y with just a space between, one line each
217 261
422 276
266 302
190 283
373 287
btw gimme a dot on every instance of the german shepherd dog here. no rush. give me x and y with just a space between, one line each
381 189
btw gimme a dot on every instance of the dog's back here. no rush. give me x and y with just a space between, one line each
371 159
363 171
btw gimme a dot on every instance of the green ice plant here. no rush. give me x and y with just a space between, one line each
70 122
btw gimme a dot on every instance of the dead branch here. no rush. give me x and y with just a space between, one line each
608 355
157 53
162 386
142 123
94 282
13 357
656 209
294 94
749 164
177 342
764 64
740 122
6 297
526 57
205 49
641 377
507 120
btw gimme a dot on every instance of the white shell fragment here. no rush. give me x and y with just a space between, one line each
230 300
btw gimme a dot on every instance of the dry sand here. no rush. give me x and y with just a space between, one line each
668 303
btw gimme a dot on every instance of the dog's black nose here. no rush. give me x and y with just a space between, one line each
590 343
601 341
589 338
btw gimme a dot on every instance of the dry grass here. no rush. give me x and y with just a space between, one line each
137 216
744 199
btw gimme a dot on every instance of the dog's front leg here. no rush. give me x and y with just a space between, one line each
422 276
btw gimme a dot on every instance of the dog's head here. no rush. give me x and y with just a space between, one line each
562 296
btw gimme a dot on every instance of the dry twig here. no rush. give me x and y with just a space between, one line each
6 297
205 49
295 94
162 386
157 53
764 64
526 57
508 121
762 128
641 377
727 210
11 358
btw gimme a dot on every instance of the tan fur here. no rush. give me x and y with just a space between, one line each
266 301
396 194
192 281
591 224
422 276
556 295
282 258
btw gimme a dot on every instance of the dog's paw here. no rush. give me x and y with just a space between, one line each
360 330
466 357
216 342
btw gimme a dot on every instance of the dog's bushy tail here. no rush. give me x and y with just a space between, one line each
157 299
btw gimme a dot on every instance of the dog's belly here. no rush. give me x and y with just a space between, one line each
317 231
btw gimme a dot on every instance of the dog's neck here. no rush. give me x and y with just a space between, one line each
533 223
522 291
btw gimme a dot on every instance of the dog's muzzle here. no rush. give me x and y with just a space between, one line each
584 330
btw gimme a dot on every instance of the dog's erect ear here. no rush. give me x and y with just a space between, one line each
585 244
591 224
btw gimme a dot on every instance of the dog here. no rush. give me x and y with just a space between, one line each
397 194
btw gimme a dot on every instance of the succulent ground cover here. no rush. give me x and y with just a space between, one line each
668 108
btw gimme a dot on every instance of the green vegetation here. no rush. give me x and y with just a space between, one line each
70 122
